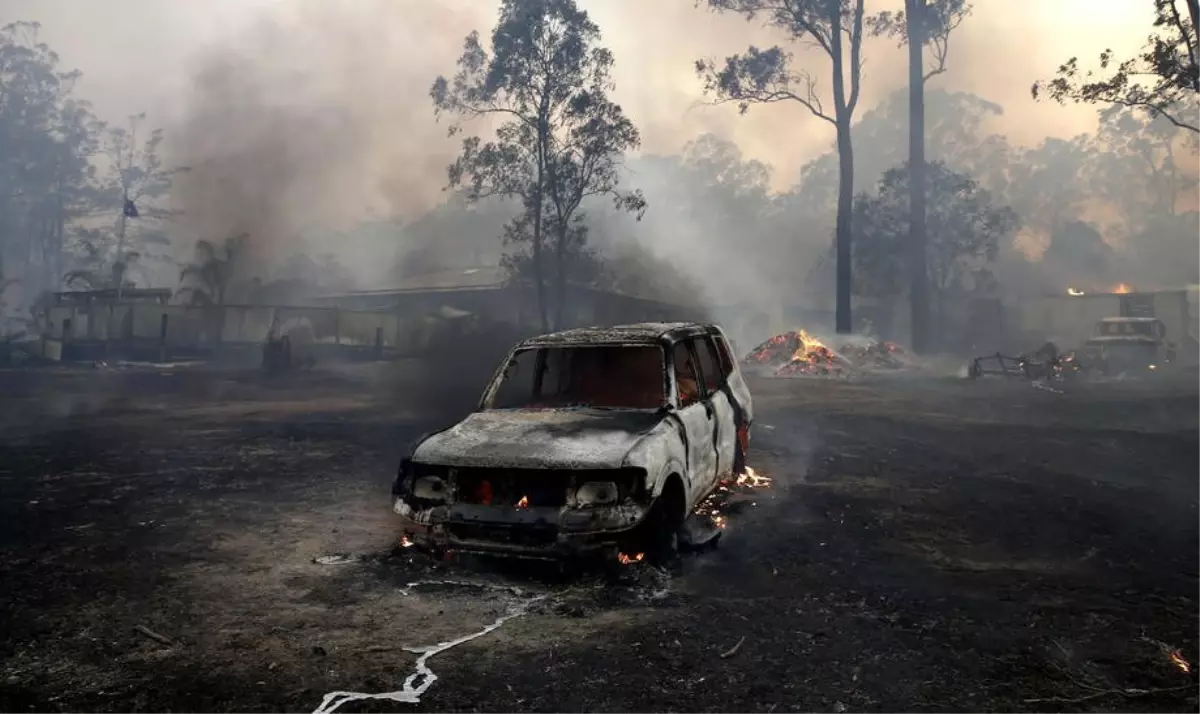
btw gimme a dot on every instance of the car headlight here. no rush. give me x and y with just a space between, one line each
597 493
430 488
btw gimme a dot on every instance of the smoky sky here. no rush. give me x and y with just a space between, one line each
296 114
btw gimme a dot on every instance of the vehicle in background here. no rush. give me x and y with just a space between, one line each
591 440
1123 344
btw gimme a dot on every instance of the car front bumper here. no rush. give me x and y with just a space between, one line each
549 533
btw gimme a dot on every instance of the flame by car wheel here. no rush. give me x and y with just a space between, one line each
739 460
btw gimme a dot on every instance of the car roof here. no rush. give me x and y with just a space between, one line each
641 333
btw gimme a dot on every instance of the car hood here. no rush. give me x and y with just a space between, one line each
542 438
1122 339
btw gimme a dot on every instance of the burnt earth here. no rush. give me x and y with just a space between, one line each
926 544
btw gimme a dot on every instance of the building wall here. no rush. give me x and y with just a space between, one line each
195 328
1066 320
1172 309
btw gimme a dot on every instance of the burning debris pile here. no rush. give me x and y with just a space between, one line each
795 353
798 353
875 354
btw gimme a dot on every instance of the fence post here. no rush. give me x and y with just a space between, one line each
66 338
162 339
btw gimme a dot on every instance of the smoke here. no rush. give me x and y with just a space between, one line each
300 119
314 116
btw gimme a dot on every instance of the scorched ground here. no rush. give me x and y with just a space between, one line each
924 544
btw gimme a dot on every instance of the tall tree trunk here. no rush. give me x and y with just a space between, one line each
918 282
842 230
539 283
1172 178
538 200
560 276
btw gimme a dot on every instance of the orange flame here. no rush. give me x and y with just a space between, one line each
809 346
524 502
625 559
1073 291
752 479
1122 289
1178 660
711 506
406 542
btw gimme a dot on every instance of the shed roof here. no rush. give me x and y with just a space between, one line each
482 278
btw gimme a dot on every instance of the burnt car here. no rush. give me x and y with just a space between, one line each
1123 344
595 440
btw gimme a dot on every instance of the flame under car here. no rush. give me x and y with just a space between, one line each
597 439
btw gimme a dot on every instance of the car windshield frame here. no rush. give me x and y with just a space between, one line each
543 352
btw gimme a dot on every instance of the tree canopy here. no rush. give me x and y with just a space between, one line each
1163 79
65 174
560 141
966 227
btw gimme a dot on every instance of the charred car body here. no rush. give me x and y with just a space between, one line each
587 440
1129 343
1120 345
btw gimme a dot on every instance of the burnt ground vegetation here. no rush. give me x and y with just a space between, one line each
927 544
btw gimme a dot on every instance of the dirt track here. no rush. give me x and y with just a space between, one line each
932 545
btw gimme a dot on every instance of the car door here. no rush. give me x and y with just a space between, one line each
735 383
724 434
696 415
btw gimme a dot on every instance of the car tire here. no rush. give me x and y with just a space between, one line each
662 535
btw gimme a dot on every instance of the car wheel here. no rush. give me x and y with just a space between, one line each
662 534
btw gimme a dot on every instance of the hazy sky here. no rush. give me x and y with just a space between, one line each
141 55
295 113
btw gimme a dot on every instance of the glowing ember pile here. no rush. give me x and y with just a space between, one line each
796 353
874 354
745 482
626 559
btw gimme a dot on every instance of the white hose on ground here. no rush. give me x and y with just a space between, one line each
417 683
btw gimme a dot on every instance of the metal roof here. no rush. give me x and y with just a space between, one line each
638 333
484 278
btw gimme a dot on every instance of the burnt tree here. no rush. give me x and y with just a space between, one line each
1161 80
767 76
560 140
923 24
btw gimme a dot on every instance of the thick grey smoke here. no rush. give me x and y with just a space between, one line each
312 117
304 116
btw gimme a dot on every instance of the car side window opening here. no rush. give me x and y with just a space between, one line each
723 355
611 376
687 380
710 368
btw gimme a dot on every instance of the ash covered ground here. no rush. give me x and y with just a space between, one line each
190 539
